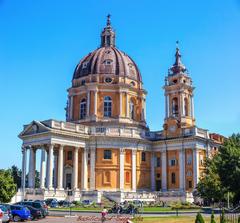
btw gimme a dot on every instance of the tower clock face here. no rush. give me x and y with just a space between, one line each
172 128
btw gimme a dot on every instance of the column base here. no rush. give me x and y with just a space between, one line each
50 189
60 189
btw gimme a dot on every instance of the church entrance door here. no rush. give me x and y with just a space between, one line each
158 185
69 180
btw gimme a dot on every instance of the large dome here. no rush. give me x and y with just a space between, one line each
107 59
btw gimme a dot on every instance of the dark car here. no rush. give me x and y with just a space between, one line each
37 205
35 213
20 213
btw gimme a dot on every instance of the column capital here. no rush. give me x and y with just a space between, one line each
122 150
134 151
24 149
61 146
92 148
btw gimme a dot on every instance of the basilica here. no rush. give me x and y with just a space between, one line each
105 148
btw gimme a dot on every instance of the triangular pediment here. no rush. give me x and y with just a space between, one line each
34 127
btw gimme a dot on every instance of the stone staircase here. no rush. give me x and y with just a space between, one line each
106 202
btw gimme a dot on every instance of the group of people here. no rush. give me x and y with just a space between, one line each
116 209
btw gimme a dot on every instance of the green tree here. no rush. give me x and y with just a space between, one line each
212 218
199 218
16 174
7 186
222 173
229 166
210 187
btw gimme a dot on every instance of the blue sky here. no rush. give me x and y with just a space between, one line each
42 41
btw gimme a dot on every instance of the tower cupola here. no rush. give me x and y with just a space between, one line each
178 66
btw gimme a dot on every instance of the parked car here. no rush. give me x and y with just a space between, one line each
35 213
7 216
87 202
37 205
1 215
20 213
49 201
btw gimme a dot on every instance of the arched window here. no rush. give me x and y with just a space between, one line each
173 178
131 110
83 108
175 107
107 106
186 107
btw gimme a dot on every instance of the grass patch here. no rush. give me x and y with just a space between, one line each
173 219
145 209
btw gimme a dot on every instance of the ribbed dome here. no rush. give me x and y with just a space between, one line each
107 60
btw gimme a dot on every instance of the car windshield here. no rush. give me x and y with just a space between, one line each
3 208
36 205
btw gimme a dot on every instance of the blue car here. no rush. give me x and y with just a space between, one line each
20 213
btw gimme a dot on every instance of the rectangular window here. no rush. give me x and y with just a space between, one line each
127 177
173 162
69 155
173 178
201 160
143 156
189 159
107 154
190 184
158 161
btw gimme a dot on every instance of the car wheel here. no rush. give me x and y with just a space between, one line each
16 218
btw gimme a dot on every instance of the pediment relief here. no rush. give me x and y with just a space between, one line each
34 128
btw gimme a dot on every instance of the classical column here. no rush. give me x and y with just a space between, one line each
134 175
55 161
192 107
120 104
121 169
84 169
24 157
92 167
153 182
127 105
95 102
145 109
31 173
164 170
183 106
195 167
43 168
75 169
60 168
71 107
50 168
88 103
166 107
182 170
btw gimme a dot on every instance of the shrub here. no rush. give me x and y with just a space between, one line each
222 217
212 218
199 218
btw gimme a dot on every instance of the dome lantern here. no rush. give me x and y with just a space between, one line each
108 35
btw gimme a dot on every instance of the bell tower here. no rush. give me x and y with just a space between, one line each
179 108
